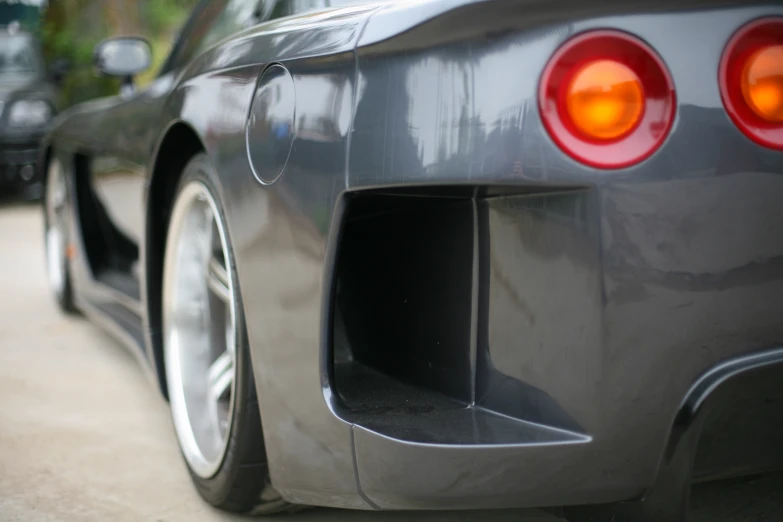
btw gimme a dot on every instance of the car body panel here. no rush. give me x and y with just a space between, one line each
457 114
284 225
420 93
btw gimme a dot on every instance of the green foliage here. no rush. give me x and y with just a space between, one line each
71 29
63 38
161 20
160 17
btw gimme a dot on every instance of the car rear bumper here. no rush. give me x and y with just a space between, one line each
730 424
567 312
18 167
602 317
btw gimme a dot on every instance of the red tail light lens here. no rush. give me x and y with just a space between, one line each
751 81
607 99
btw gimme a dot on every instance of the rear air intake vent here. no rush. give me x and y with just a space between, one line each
410 326
404 290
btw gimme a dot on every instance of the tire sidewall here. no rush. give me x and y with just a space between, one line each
245 415
64 295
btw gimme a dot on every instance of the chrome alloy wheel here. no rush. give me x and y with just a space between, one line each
199 329
56 227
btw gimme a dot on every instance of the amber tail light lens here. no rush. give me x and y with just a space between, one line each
607 99
751 81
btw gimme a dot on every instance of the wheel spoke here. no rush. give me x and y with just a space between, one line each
189 317
221 375
217 280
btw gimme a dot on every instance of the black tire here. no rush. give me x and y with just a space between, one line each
242 482
64 291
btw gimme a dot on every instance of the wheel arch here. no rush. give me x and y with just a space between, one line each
179 144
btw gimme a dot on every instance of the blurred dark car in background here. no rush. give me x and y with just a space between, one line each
28 102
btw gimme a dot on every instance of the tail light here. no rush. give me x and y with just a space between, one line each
607 99
751 81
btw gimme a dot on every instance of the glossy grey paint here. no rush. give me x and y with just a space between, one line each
677 259
724 387
674 245
271 124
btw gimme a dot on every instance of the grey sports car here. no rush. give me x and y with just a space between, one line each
433 254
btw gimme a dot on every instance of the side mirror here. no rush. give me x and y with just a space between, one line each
59 69
124 56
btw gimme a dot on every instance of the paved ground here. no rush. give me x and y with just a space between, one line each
84 437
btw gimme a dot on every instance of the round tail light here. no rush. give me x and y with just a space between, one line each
751 81
607 99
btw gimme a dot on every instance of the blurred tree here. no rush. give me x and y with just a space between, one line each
72 28
122 17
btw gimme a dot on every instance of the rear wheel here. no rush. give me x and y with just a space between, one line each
209 375
57 237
